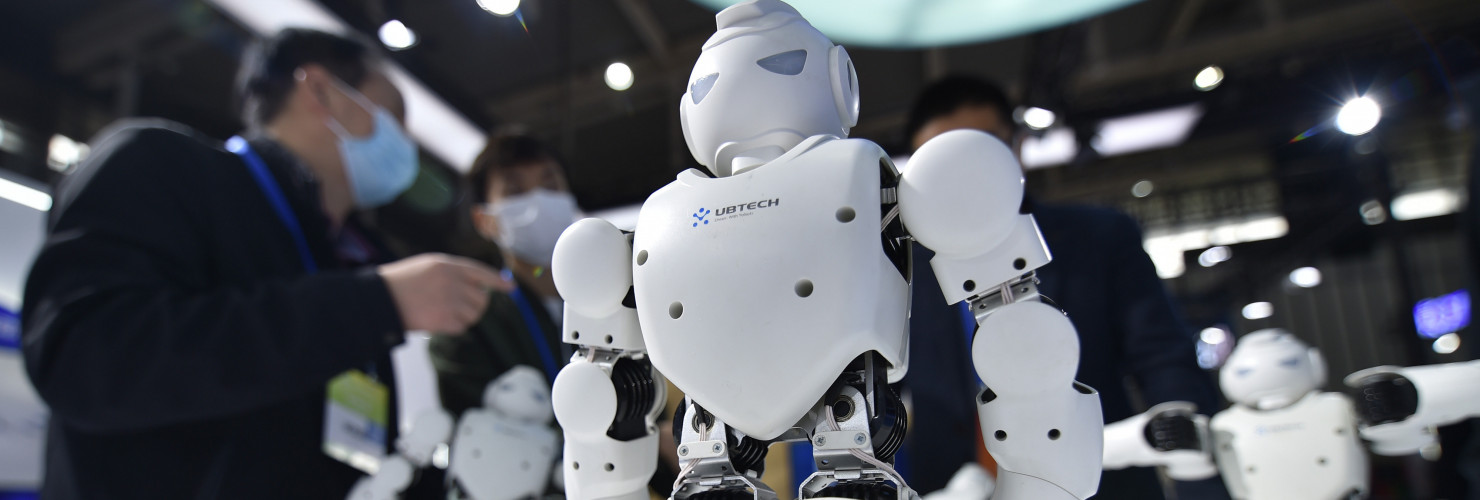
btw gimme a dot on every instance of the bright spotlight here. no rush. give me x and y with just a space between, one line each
1208 78
502 8
619 76
1214 335
1142 188
1447 343
396 35
1214 256
1358 116
1038 118
1258 310
1306 277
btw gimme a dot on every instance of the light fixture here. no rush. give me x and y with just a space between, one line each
1447 343
1166 247
396 36
1208 78
1056 147
619 76
1214 256
1258 310
1038 118
1213 335
501 8
1306 277
1162 128
25 195
1142 188
1358 116
62 152
1426 203
1373 213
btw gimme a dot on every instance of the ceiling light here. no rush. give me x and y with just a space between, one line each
1158 129
1056 147
1306 277
1427 203
502 8
1358 116
1208 78
1038 118
1142 189
62 152
1447 343
25 195
1258 310
1214 256
1213 335
1372 213
396 35
619 76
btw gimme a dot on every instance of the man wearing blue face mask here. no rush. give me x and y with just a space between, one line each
209 320
521 202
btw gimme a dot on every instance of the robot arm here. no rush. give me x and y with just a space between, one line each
1170 435
414 452
1400 407
962 196
608 398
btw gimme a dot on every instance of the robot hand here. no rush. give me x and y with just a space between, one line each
1170 434
971 482
1400 407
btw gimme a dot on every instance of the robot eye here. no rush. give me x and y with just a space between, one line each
1290 362
786 63
1242 372
702 86
505 388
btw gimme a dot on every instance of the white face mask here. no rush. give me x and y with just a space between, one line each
530 223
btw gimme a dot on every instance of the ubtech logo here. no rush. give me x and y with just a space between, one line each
700 216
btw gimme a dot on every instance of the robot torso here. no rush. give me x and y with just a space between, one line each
1308 451
754 291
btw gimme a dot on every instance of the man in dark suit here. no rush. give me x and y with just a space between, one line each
1131 337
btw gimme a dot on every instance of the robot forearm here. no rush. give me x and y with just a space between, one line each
1400 407
1170 435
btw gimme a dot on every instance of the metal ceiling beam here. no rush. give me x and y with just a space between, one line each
648 28
1333 26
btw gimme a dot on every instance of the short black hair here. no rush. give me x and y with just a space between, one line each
266 76
952 93
504 152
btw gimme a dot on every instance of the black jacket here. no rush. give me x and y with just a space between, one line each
170 325
1128 330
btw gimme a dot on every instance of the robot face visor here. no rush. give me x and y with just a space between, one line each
789 63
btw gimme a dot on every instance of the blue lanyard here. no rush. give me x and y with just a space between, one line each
541 343
274 197
968 324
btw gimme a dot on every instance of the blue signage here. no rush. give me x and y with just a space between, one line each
10 329
1443 314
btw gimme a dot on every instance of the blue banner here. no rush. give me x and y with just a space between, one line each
10 329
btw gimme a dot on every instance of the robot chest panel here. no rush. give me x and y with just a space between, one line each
1308 451
798 236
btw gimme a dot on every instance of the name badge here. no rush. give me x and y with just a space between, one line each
355 416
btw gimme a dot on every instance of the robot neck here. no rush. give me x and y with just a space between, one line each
738 156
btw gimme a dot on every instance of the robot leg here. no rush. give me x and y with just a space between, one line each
606 402
1045 429
716 460
859 425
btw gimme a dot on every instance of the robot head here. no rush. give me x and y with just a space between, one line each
1271 369
521 394
764 82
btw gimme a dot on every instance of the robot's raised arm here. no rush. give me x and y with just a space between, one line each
1400 407
609 396
1170 435
962 196
414 450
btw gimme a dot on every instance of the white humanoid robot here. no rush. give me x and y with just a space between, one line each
503 451
773 289
1400 407
1282 438
1170 435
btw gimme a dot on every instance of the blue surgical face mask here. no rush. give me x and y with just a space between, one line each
380 166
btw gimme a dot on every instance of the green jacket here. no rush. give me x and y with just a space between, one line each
499 341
